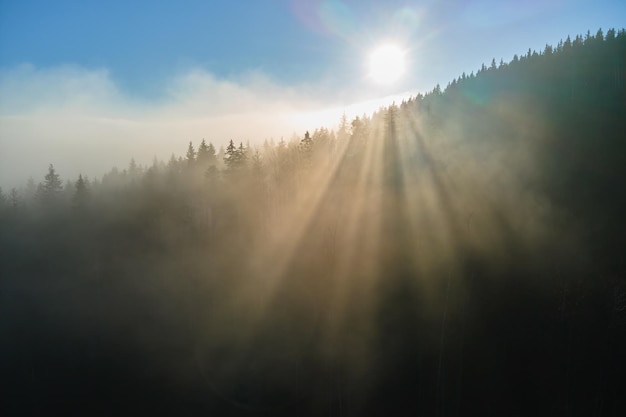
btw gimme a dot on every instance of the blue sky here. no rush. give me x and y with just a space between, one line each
127 64
142 43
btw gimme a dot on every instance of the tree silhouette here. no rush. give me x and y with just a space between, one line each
81 194
306 146
242 153
49 192
206 156
191 154
231 157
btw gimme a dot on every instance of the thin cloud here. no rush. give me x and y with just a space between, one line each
79 120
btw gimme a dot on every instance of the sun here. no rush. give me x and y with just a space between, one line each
386 63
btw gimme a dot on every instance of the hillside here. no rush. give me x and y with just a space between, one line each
458 253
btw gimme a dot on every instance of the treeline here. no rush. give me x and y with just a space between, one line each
457 253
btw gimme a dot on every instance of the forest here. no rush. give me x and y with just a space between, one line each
458 253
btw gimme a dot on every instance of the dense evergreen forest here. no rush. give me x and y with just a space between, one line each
459 253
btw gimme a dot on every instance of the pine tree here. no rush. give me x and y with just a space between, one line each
52 187
207 160
211 154
243 155
610 35
231 158
191 154
81 195
306 146
133 169
172 164
567 45
203 153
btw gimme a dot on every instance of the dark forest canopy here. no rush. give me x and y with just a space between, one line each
458 253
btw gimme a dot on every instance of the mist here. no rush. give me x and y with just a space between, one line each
454 252
79 120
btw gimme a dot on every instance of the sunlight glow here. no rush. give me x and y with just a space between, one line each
330 116
386 63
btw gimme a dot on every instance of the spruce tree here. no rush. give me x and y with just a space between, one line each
206 156
81 195
51 188
243 155
133 169
191 154
211 154
231 157
203 153
306 146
